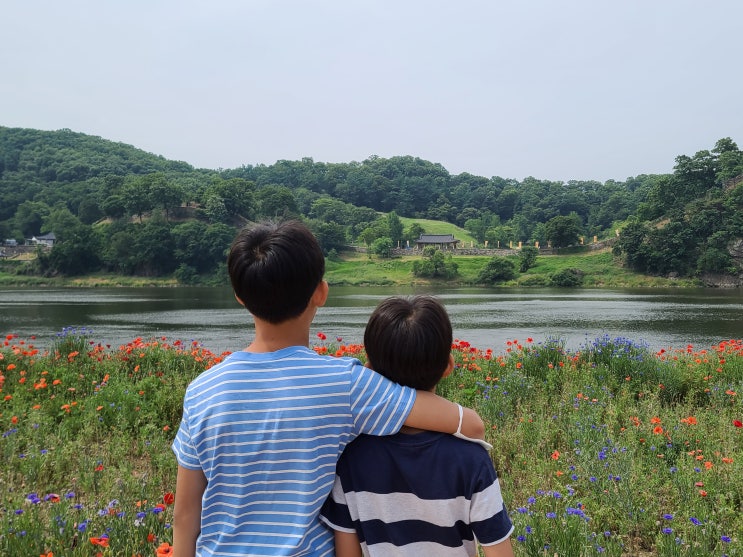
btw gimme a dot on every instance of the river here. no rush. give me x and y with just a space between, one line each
486 318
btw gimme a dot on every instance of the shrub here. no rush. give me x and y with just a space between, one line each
498 269
567 278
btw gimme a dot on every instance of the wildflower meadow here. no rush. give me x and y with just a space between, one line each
609 449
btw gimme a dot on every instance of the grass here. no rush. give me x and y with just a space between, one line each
609 449
441 227
599 267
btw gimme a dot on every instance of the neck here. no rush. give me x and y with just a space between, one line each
270 337
413 430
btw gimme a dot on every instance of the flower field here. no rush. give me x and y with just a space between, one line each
611 449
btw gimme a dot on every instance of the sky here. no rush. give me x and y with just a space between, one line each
554 89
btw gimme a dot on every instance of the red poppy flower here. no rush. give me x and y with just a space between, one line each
164 550
737 423
102 541
169 498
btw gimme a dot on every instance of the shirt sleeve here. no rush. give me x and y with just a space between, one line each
183 447
335 512
488 514
378 405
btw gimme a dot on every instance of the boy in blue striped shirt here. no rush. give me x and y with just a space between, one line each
262 430
418 492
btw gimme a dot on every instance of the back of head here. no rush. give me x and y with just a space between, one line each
275 268
408 340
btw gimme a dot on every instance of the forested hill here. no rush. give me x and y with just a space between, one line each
134 212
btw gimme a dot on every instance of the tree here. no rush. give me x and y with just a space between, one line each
88 211
527 258
30 217
114 206
136 196
632 245
498 269
395 227
435 264
413 232
155 249
567 278
164 193
277 202
75 254
563 231
382 247
330 235
119 254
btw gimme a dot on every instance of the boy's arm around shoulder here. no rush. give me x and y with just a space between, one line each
434 413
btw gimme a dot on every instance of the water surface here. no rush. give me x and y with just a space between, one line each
487 318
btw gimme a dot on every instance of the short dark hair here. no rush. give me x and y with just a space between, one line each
408 340
275 268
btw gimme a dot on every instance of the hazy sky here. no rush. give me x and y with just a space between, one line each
581 89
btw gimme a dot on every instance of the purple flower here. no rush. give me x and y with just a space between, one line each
668 516
667 530
695 521
551 515
725 539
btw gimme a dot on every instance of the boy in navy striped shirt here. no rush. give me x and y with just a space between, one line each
263 430
417 492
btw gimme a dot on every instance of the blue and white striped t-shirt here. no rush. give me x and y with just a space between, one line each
267 430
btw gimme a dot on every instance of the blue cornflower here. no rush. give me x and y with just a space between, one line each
725 539
551 515
668 516
667 530
695 521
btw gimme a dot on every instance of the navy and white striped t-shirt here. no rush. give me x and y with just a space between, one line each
267 430
410 495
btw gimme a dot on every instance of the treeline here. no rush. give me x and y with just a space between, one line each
117 208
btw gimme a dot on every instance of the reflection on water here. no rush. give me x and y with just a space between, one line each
487 318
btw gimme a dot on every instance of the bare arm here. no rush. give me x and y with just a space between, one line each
347 544
434 413
189 489
502 549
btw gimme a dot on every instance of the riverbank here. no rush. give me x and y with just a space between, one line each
600 270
